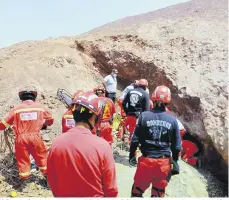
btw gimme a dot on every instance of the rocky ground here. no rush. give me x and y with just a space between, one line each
189 183
183 46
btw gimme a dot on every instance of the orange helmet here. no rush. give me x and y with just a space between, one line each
78 92
143 82
90 101
99 91
162 93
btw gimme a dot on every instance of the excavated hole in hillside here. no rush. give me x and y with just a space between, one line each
130 68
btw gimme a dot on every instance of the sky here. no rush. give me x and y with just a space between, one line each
22 20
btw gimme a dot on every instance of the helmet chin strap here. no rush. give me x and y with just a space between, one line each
159 106
89 124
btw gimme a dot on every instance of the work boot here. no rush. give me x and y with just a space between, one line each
133 162
44 182
24 184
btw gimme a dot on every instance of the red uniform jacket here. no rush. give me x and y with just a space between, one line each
27 117
81 164
109 110
67 121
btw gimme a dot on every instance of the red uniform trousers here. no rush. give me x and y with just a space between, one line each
152 171
106 132
122 128
123 114
131 122
26 144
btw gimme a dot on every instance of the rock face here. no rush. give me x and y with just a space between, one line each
183 46
180 46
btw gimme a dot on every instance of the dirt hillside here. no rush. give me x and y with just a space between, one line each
182 46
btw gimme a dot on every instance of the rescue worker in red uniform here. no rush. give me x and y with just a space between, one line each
81 164
136 102
27 119
67 119
105 127
188 148
158 134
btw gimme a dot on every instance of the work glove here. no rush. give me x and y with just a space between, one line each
133 161
175 169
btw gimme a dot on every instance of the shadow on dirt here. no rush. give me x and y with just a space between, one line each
121 159
215 187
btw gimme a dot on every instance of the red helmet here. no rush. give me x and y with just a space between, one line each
162 93
78 92
99 91
143 82
90 101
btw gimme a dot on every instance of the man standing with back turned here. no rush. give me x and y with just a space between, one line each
28 118
81 164
136 102
158 133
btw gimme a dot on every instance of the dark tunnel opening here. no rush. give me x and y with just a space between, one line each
188 136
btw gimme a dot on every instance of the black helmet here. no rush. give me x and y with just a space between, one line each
27 94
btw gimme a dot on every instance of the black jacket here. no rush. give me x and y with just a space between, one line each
136 102
158 134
